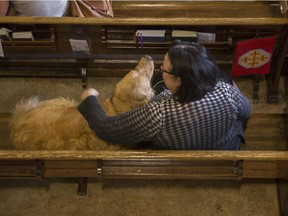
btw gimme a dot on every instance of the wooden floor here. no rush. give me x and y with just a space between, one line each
264 132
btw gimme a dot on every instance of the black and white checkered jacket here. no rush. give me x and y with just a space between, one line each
214 122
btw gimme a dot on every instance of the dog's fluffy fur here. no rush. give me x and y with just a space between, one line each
56 124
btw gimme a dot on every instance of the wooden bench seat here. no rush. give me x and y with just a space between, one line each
265 132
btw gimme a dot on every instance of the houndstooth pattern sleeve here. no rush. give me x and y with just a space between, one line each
139 125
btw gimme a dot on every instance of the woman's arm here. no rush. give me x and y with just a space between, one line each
136 126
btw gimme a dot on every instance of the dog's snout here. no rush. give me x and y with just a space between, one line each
146 65
148 58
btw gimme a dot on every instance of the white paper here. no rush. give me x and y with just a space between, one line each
23 35
5 34
151 33
206 37
79 46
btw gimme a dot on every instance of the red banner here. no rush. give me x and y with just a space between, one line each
253 56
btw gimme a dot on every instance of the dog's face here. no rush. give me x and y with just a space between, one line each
135 89
136 85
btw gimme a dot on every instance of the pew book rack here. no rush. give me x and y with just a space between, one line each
114 51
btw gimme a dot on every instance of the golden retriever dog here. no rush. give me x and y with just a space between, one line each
56 124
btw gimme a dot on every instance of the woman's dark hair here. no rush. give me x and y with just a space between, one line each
196 69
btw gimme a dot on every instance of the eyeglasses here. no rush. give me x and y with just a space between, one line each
164 71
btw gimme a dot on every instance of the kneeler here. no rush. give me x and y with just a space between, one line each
253 57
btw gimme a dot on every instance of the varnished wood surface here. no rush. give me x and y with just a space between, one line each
4 131
147 155
174 13
265 132
147 21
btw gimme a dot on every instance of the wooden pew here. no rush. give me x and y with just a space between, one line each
264 156
149 165
112 39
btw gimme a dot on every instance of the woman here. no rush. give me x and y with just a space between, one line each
197 111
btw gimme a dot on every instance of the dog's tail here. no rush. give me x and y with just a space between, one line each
24 106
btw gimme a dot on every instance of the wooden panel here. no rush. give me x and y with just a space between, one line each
70 173
70 168
282 186
193 9
20 169
4 131
173 9
174 13
154 164
171 169
267 169
265 132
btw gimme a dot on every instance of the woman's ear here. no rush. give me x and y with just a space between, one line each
178 81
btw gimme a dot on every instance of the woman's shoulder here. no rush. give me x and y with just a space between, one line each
224 86
230 92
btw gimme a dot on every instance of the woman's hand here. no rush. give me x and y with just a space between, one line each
89 92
